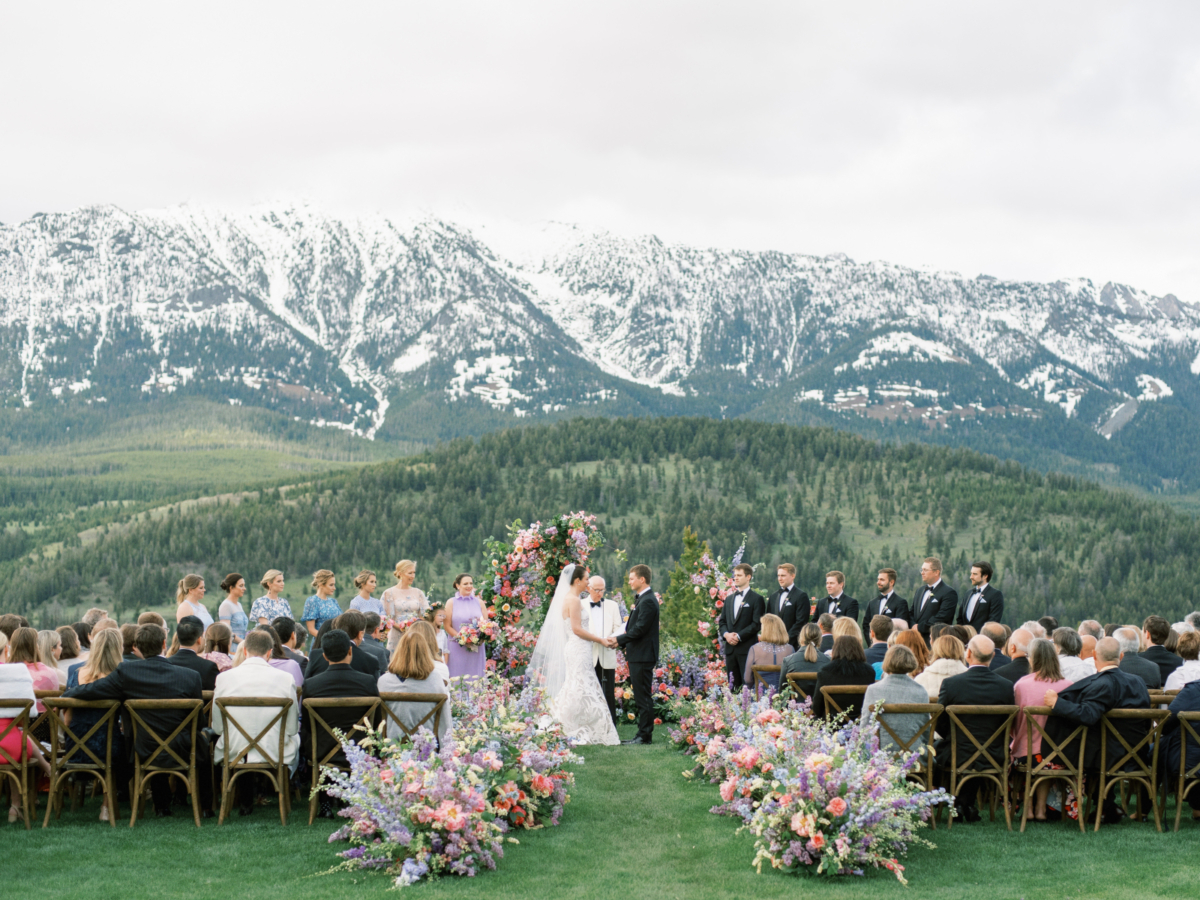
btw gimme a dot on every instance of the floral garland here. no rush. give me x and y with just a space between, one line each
711 576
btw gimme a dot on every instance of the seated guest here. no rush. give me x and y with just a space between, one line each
103 661
825 623
1018 651
371 642
911 638
771 650
977 686
351 624
10 622
83 631
1157 633
879 632
1110 630
1029 691
289 634
1086 701
49 650
1187 700
149 617
897 686
844 626
847 665
1068 644
69 654
16 683
999 635
1088 651
255 677
128 634
218 640
23 649
153 677
429 634
94 615
1172 644
190 632
1189 671
807 659
1036 629
899 625
278 659
948 660
1091 628
1130 641
1049 624
410 671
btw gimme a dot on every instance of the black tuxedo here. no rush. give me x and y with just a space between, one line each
978 686
999 661
205 668
639 644
362 661
792 606
746 625
940 607
378 650
1084 702
338 680
988 608
896 608
846 606
1166 661
1015 670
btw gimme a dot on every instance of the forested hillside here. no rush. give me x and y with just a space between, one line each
814 497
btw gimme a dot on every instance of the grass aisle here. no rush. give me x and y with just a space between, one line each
634 829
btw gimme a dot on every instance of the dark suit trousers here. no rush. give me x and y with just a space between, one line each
608 686
736 667
642 677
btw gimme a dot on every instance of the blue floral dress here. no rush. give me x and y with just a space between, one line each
266 608
319 611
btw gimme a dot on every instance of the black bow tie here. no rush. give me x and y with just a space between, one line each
596 603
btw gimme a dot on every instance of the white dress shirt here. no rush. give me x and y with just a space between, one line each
257 678
1075 669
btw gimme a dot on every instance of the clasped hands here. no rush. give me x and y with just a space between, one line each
610 643
731 637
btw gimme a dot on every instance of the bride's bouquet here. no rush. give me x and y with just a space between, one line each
474 635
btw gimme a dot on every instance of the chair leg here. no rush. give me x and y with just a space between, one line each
135 793
193 783
283 789
226 795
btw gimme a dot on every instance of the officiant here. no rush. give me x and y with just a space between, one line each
605 621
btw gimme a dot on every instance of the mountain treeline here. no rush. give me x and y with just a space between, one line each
814 497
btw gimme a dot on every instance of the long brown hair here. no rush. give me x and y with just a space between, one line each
913 641
411 657
810 638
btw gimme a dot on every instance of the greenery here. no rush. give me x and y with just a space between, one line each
634 828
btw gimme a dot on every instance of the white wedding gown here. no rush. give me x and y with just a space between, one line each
580 705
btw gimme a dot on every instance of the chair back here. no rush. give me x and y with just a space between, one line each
70 743
163 756
1130 755
39 725
807 679
227 707
760 674
923 738
830 691
1189 779
318 723
983 758
206 713
20 724
390 717
1056 754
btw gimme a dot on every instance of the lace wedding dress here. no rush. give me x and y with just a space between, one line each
580 705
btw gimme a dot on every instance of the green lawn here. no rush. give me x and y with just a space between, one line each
634 829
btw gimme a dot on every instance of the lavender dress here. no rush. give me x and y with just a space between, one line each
462 661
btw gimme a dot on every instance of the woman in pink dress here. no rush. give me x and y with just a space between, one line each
23 648
462 608
1044 675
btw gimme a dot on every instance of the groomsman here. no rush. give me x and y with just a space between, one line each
888 603
740 621
604 621
837 604
984 604
789 602
935 602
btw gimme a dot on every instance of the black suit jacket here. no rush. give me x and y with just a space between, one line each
1084 702
1143 669
362 661
149 679
1015 670
205 668
999 661
988 608
639 641
897 608
839 672
340 680
826 643
1166 661
378 650
793 607
747 623
940 607
978 686
847 606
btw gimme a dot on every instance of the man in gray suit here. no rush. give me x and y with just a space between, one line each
1132 663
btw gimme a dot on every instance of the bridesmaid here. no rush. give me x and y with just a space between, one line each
189 600
230 611
270 605
364 601
402 602
321 606
462 608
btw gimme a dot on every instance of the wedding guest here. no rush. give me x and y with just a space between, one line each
1018 650
351 623
847 666
23 649
1036 629
1130 641
825 624
911 638
106 656
462 608
771 649
879 632
285 627
321 607
411 671
152 618
425 630
1045 674
83 633
94 615
1157 632
807 659
271 605
402 602
1091 627
230 611
1087 650
897 686
999 635
279 659
128 634
16 683
189 600
69 653
191 636
49 650
1189 671
371 642
218 641
364 601
1069 644
947 662
1049 624
899 625
844 626
1187 700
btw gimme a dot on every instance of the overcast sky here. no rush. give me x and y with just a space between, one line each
1021 140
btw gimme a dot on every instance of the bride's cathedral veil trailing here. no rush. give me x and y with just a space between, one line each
548 665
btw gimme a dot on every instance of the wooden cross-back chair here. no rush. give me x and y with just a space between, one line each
982 762
17 769
163 759
274 767
1054 753
1189 779
72 755
1130 766
830 691
921 741
802 683
760 682
39 725
405 733
317 725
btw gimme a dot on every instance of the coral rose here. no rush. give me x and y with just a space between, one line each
836 806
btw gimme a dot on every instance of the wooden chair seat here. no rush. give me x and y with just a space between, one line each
921 742
1053 753
72 757
274 766
1130 765
175 766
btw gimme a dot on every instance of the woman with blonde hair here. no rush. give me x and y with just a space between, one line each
106 655
49 650
771 649
844 626
189 596
322 606
402 602
411 671
807 659
364 602
270 605
429 634
948 660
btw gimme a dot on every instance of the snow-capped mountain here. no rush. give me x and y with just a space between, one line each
349 322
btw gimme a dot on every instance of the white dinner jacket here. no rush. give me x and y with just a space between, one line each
256 678
605 656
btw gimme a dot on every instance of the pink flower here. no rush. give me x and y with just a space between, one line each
386 776
817 841
728 789
836 806
799 825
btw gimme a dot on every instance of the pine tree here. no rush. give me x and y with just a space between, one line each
684 607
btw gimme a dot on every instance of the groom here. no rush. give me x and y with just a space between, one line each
639 642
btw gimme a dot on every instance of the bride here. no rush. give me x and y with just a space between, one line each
562 664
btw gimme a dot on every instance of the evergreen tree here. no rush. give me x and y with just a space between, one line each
685 604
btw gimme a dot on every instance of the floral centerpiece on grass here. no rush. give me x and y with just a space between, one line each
682 672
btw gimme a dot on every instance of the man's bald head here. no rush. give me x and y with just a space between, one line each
1108 653
995 631
1018 644
981 650
1088 650
596 587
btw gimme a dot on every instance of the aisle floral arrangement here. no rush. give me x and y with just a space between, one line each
682 673
818 798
